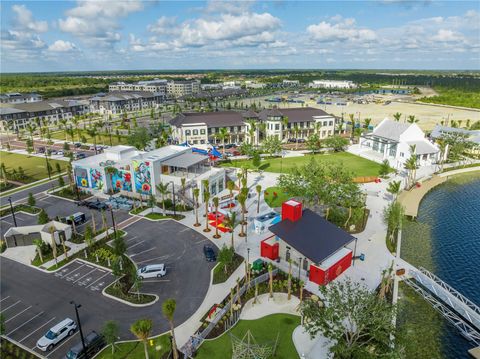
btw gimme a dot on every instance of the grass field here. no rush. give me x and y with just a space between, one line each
101 139
275 201
357 165
35 167
135 350
264 330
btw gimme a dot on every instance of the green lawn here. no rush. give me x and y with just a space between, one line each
264 330
135 350
275 201
35 167
358 165
101 139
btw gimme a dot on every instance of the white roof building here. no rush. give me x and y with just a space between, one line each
394 141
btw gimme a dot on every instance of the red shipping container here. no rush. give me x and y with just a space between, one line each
324 276
269 250
291 210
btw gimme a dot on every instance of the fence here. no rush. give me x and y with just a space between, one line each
196 340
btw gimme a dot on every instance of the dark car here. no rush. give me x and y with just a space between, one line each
209 254
80 155
94 342
78 218
96 205
77 144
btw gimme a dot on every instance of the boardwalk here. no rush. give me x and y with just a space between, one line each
411 199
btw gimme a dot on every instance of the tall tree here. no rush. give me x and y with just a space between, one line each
397 116
168 309
196 194
206 198
141 329
223 135
231 222
215 203
162 188
258 188
394 189
110 333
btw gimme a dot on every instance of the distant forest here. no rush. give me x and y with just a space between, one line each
459 88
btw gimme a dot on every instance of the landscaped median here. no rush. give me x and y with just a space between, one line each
158 347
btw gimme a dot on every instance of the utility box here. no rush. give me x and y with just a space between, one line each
291 210
269 248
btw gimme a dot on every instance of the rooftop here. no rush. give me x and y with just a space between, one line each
391 130
312 235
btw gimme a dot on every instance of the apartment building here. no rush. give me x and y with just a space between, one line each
201 128
179 88
16 97
15 117
332 84
120 101
156 85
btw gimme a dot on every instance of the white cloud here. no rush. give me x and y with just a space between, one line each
62 46
228 7
444 35
164 26
342 30
24 20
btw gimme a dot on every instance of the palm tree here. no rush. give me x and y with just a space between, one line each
38 244
296 131
196 193
352 121
31 129
252 128
54 245
262 128
285 126
230 187
270 279
74 227
242 198
259 191
215 203
289 280
397 116
92 132
367 122
168 309
63 124
141 329
223 134
231 222
183 182
394 188
75 121
162 188
412 119
206 198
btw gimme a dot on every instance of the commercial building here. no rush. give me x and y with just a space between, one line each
118 102
16 97
125 170
315 245
290 83
393 141
179 88
200 128
25 235
157 86
15 117
332 84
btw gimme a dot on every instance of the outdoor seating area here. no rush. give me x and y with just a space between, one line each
121 203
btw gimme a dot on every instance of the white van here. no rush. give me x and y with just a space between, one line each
152 271
56 334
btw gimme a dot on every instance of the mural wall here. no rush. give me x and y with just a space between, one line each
143 177
81 177
122 180
96 179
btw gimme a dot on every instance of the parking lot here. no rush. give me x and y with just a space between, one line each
85 275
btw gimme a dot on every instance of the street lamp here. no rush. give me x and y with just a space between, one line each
248 255
76 306
299 267
48 166
13 212
113 223
173 193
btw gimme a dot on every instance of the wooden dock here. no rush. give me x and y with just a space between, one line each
411 199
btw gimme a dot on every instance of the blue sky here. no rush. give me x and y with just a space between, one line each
118 35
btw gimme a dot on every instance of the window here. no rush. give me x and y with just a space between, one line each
220 186
401 154
330 123
187 133
213 188
195 132
325 123
202 131
277 126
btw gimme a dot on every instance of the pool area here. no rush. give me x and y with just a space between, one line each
263 221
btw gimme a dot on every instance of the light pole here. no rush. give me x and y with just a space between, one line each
173 197
48 166
113 223
76 306
248 256
14 219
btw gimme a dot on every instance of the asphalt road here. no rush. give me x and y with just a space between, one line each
33 301
36 190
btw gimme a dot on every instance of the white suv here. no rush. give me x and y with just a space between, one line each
56 334
152 271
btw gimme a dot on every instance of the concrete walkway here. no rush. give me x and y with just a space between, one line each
267 306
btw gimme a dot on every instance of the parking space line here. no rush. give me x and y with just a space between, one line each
25 323
66 340
36 330
9 223
89 266
156 280
97 279
12 305
136 244
145 251
16 315
76 280
4 299
153 259
74 270
131 239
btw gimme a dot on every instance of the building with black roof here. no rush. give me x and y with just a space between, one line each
317 245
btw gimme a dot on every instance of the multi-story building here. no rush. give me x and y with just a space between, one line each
200 128
291 83
16 97
118 102
16 117
332 84
179 88
136 173
156 86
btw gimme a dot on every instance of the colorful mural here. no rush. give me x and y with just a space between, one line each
81 177
122 180
96 179
143 178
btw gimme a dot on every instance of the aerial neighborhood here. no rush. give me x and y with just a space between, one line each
248 196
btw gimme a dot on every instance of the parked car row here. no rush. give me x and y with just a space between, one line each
98 205
64 329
